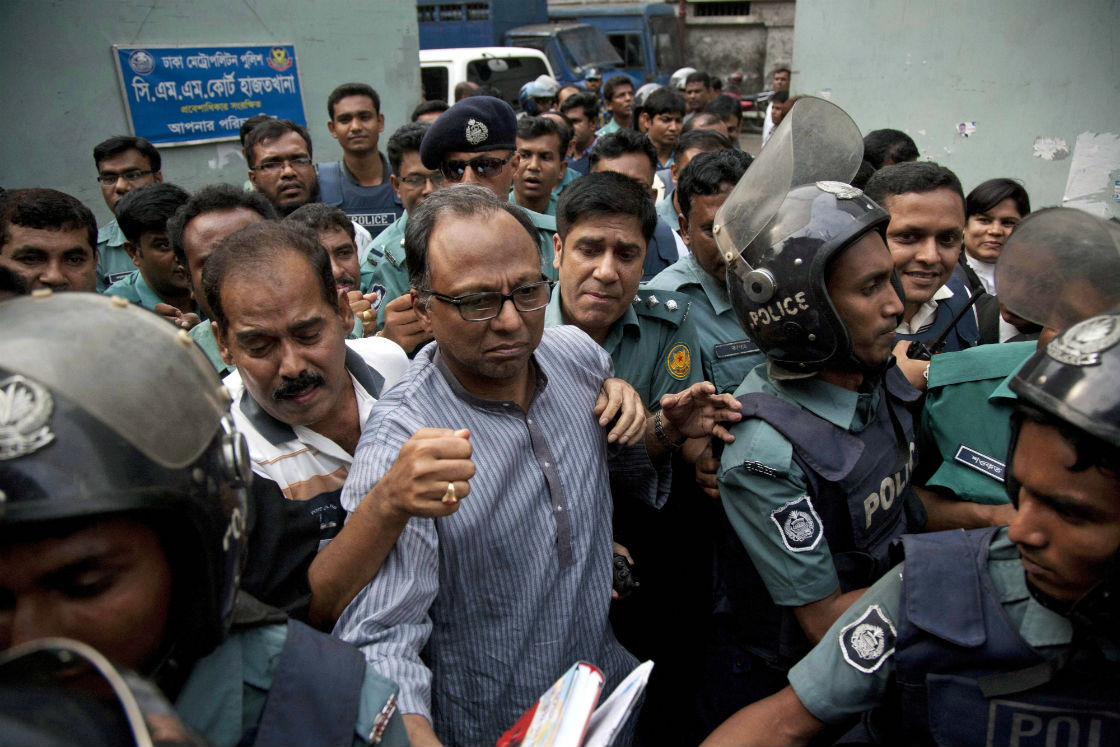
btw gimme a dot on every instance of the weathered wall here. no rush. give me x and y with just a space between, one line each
753 45
61 95
1034 84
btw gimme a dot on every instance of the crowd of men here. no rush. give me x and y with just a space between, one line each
350 453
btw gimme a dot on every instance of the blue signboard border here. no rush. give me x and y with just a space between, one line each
117 48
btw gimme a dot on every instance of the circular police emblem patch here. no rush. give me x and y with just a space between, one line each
25 411
867 642
799 525
840 189
476 132
141 62
679 362
1082 343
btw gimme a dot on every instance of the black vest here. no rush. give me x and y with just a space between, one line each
372 208
967 332
965 674
863 499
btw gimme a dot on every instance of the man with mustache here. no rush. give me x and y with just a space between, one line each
302 394
1003 635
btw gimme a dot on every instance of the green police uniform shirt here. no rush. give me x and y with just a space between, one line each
757 477
726 354
134 288
832 688
226 692
383 270
964 432
652 344
113 262
203 335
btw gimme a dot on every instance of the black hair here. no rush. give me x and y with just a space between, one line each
269 130
406 139
706 140
699 77
886 147
148 208
121 143
708 173
11 282
866 170
352 89
785 70
702 121
260 245
619 143
911 176
589 102
529 128
460 200
248 125
605 193
994 191
723 106
1089 450
664 101
45 209
322 217
213 199
613 83
427 107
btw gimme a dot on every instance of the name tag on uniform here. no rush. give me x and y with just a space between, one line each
973 459
372 220
732 349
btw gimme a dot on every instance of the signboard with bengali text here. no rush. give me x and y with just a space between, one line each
184 95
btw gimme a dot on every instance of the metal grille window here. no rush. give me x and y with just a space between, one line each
718 9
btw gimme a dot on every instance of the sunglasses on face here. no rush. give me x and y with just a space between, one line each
483 167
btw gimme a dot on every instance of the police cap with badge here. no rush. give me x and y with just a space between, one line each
477 123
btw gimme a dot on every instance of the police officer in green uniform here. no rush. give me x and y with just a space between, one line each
1060 266
816 483
125 526
475 141
604 225
726 353
123 163
1000 635
158 280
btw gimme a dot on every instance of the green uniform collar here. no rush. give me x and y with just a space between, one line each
554 317
841 407
110 234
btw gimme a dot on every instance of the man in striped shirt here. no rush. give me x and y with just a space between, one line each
476 613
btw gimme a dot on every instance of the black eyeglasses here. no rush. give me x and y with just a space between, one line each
277 165
481 307
417 181
484 167
109 179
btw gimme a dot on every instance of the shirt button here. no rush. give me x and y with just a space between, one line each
529 421
545 464
559 508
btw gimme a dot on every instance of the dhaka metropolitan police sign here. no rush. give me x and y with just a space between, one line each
179 95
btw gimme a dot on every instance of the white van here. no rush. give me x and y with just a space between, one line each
504 68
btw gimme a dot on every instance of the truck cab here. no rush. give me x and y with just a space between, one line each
571 48
645 36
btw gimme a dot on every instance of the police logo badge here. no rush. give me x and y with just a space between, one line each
798 524
679 362
25 411
867 642
476 132
142 62
1083 343
840 189
379 292
278 59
